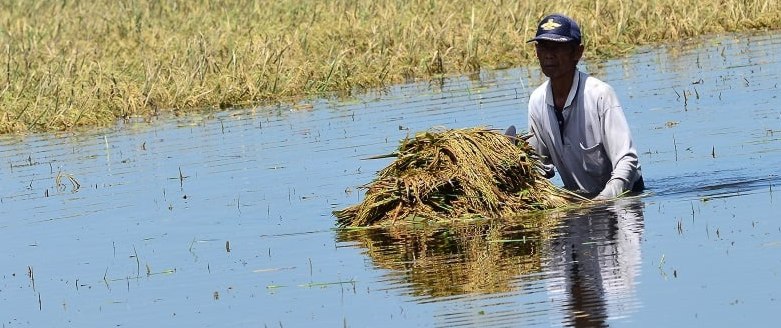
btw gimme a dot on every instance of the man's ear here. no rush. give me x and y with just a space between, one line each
579 51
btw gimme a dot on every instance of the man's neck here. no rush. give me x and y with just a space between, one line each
560 86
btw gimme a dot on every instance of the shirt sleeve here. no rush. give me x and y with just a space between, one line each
536 142
617 140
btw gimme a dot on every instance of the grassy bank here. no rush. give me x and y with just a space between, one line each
69 64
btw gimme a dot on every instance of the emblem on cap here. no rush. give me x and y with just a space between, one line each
550 25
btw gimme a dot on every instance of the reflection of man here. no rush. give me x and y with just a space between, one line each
597 257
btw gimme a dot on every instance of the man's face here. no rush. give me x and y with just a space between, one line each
558 59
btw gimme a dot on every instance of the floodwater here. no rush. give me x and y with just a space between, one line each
224 220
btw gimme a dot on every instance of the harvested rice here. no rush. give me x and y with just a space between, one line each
442 175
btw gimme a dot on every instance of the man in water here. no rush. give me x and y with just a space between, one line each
576 120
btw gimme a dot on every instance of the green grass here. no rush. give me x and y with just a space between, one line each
80 64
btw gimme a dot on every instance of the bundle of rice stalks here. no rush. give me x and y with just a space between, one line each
451 174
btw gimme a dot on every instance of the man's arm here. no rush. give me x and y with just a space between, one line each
542 151
617 140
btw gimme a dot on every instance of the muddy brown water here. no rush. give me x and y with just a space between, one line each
224 220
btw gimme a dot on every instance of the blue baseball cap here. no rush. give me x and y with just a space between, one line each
557 28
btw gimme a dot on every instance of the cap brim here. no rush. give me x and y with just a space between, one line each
551 37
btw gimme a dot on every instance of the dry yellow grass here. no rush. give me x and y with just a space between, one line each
70 64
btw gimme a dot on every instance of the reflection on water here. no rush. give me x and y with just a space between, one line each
588 260
594 263
483 257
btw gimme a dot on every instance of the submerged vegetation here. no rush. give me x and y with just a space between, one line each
69 64
439 176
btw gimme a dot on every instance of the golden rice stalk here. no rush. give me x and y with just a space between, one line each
443 175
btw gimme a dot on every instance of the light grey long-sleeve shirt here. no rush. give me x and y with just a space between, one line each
595 144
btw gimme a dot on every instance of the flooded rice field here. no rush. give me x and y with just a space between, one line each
224 220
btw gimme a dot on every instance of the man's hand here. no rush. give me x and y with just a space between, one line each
510 133
613 189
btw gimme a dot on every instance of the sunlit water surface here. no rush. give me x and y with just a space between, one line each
224 220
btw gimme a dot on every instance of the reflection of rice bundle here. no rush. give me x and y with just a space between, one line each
479 257
442 175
